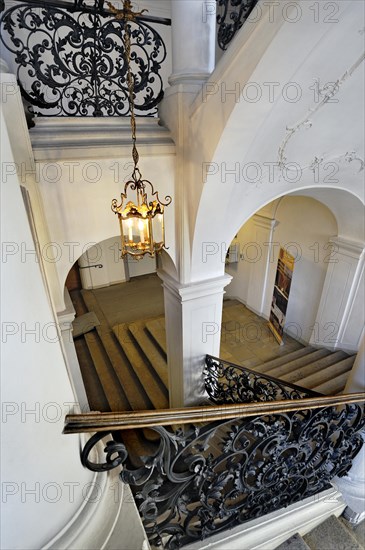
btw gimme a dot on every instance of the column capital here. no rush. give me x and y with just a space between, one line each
194 290
264 222
354 249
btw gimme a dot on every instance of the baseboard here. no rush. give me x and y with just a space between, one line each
268 532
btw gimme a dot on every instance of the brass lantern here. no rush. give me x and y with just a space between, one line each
142 220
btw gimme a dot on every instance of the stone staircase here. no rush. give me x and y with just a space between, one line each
124 367
333 534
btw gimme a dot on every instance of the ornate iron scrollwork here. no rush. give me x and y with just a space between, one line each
116 454
226 383
205 479
231 15
72 63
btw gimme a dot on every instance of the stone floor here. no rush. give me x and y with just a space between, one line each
246 338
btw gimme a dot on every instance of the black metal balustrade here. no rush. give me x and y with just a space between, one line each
231 15
229 383
71 61
216 467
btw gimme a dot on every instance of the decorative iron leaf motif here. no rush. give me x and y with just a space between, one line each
231 15
73 64
226 384
208 478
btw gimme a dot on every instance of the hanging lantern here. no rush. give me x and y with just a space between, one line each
142 221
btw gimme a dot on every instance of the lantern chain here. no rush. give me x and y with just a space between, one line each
127 14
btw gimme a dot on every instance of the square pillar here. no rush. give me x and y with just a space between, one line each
340 316
259 269
193 314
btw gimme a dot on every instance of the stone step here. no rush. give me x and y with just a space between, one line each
278 361
157 329
289 366
154 388
357 531
331 534
150 350
95 393
294 543
328 374
108 379
133 389
333 386
307 370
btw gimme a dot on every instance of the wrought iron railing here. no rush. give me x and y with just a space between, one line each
231 15
226 383
71 61
219 466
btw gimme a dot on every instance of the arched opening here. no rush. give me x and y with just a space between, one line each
325 310
118 332
303 227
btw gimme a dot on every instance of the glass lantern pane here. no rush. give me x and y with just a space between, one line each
130 231
157 228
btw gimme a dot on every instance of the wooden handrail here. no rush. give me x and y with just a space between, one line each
130 420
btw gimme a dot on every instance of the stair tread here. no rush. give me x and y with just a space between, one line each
330 372
356 530
156 391
150 350
296 542
331 534
109 381
294 364
278 361
157 329
136 396
307 370
333 386
95 393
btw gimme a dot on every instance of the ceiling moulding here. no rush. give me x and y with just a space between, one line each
104 137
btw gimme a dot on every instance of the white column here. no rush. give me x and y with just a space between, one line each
259 269
340 317
193 316
65 319
193 40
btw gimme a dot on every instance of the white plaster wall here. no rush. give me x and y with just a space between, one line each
107 254
141 267
39 465
232 131
77 203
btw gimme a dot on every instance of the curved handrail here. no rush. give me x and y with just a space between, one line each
111 421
